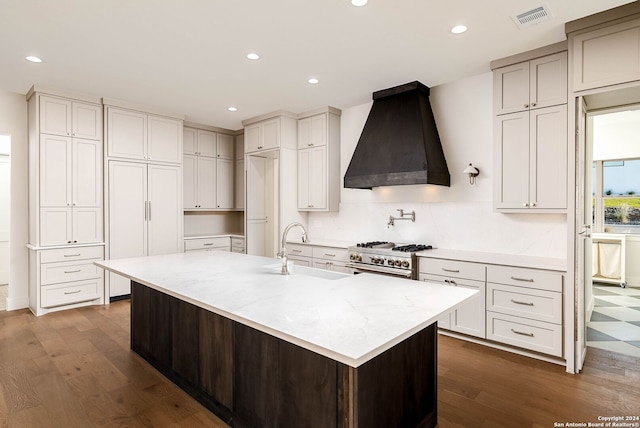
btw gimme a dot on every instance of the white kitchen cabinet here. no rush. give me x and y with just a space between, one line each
65 117
208 170
216 243
224 183
531 160
237 244
606 55
239 172
469 318
64 278
528 85
70 191
199 182
262 136
524 308
141 136
319 161
145 213
65 201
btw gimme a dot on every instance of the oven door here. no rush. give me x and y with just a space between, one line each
380 270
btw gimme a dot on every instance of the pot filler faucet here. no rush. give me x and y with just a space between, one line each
283 253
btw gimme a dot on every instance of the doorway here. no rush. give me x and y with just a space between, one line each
608 221
5 177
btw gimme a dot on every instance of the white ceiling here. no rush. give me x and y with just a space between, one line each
188 56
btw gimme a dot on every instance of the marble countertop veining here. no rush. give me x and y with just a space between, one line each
348 318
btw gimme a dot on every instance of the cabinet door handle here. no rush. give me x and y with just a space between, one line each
145 210
72 271
71 255
522 333
526 106
515 278
451 270
522 303
207 244
149 210
329 255
72 292
533 104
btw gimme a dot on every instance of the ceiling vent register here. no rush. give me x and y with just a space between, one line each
532 17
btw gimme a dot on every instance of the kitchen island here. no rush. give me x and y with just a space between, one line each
314 348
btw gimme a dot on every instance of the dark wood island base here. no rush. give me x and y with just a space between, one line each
252 379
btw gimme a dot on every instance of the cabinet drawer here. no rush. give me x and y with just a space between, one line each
299 250
452 268
541 305
207 243
331 253
523 277
71 254
65 294
525 333
237 242
438 279
54 273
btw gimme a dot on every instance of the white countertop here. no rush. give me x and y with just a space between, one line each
351 319
334 243
215 235
546 263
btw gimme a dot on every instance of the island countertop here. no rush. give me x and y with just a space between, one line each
348 318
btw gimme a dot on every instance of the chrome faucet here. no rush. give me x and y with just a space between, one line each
283 253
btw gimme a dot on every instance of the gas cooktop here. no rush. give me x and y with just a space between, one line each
385 245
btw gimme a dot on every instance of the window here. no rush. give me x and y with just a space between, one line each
619 199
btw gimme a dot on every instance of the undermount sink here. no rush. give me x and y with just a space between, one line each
296 270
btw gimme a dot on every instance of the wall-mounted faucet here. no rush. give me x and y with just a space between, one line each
283 253
403 216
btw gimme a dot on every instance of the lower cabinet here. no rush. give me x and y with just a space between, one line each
319 257
237 244
65 278
469 318
524 308
516 306
221 243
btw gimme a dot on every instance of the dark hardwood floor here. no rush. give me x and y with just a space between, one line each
75 369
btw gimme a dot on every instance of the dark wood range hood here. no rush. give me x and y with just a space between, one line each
399 144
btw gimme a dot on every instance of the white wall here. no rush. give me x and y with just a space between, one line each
456 217
13 122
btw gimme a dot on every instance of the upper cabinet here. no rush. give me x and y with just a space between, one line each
319 161
530 133
239 173
538 83
141 136
604 55
269 133
208 169
59 116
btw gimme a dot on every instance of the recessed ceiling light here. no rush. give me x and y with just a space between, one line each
459 29
232 109
33 58
313 81
359 2
253 56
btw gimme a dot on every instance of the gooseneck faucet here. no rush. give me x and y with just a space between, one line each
283 253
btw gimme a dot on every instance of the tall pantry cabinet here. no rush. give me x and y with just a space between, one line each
65 200
144 186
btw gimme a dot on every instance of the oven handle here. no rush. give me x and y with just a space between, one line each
372 269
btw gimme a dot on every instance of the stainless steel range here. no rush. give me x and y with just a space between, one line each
386 258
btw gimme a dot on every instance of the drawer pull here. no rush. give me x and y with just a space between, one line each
296 251
329 255
72 292
522 333
71 255
522 303
515 278
72 271
206 244
451 270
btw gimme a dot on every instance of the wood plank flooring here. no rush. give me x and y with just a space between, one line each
75 369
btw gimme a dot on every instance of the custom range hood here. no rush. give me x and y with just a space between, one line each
399 143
